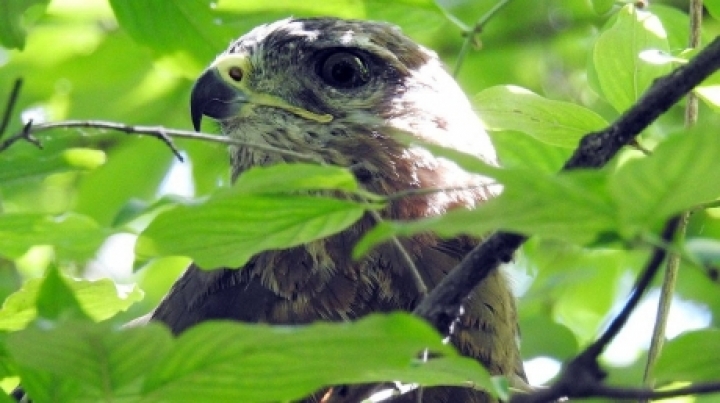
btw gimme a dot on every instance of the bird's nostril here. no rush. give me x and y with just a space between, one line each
236 73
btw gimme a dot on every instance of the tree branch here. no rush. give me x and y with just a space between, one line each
442 305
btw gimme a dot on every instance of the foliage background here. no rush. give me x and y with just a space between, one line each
135 61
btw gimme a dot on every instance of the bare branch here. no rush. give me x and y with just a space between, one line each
162 133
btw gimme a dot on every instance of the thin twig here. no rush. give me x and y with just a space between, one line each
162 133
664 302
641 286
12 101
582 376
403 194
673 264
708 205
476 29
419 282
24 134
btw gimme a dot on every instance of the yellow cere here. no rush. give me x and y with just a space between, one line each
225 63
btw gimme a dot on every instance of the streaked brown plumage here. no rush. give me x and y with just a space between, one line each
340 90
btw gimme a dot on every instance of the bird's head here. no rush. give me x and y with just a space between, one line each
338 90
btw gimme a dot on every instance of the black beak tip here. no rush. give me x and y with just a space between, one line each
213 97
197 116
198 98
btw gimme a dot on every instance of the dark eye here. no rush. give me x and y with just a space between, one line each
343 69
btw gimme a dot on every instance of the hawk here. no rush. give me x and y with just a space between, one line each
340 90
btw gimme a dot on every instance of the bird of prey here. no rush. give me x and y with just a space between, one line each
341 91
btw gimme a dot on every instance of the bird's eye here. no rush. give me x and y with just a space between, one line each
343 69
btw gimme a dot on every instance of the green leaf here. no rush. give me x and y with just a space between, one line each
209 26
16 16
99 199
529 204
549 338
713 7
622 74
565 289
283 178
26 167
705 250
602 6
709 90
469 162
99 299
692 356
73 236
254 215
228 361
56 300
519 150
681 173
557 123
227 229
94 362
188 50
258 363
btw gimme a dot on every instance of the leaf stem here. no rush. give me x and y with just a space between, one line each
476 29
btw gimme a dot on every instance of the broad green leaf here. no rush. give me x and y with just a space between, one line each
465 160
258 363
209 26
291 177
16 16
681 173
693 356
99 299
90 361
573 206
713 7
519 150
73 236
549 338
622 74
56 300
415 17
189 35
227 361
262 211
27 167
227 229
553 122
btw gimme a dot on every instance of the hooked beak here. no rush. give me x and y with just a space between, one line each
212 96
222 91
